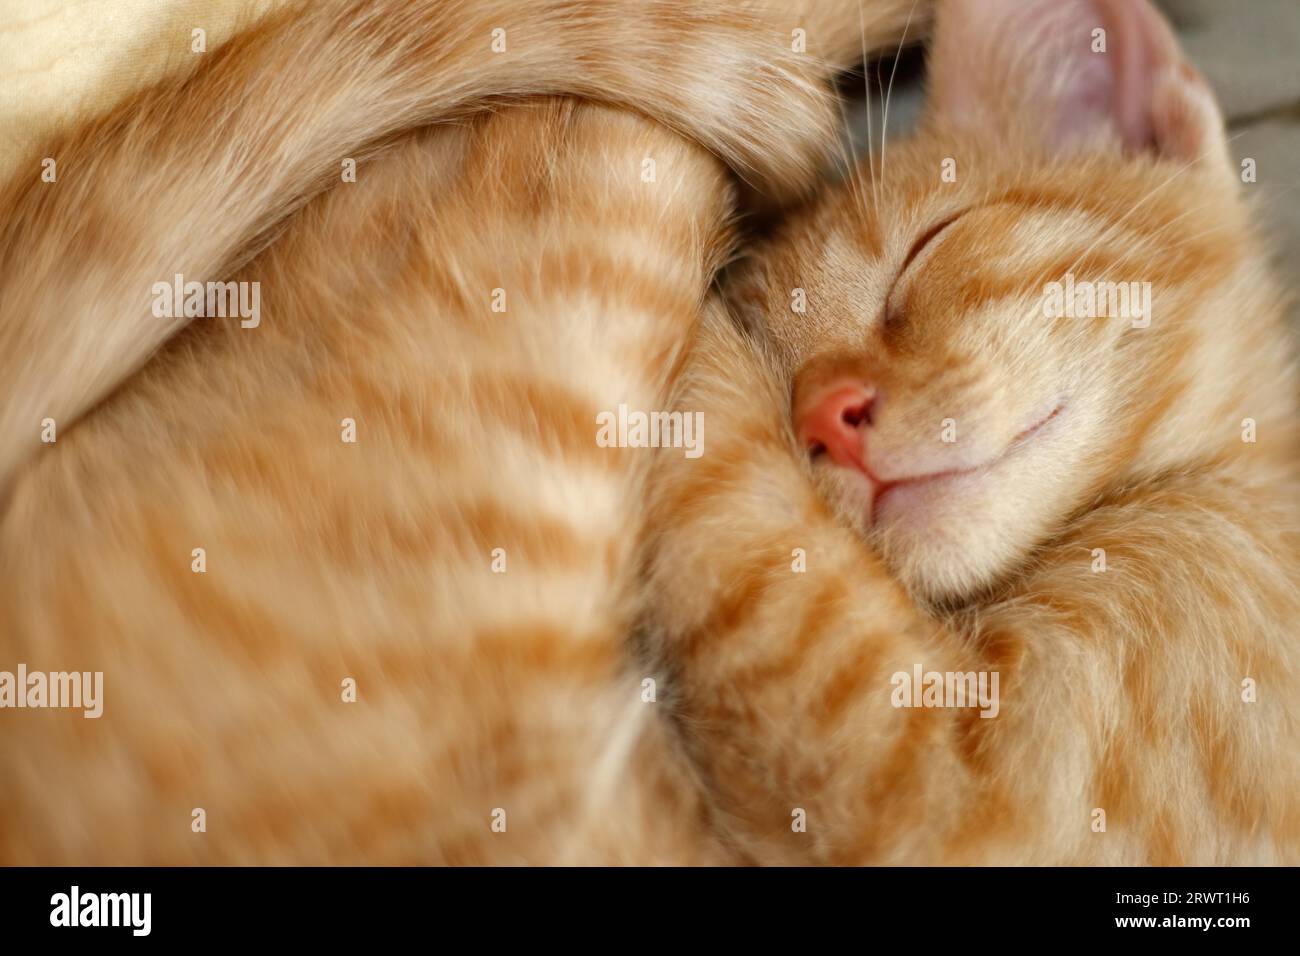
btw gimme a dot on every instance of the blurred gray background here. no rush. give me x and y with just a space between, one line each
1249 50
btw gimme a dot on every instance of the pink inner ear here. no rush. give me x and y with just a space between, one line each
1032 61
1143 46
1083 94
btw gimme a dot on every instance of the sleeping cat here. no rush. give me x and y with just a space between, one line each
931 470
496 716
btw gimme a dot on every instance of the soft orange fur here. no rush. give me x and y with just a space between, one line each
373 561
1120 690
194 175
519 691
477 690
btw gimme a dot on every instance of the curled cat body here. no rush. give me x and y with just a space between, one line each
475 565
357 576
917 466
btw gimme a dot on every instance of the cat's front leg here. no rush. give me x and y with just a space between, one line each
780 636
1102 706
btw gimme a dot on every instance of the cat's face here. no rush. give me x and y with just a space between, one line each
955 395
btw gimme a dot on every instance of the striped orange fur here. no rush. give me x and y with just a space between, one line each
195 174
1160 689
478 693
501 588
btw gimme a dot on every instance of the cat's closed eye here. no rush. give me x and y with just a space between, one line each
892 315
928 237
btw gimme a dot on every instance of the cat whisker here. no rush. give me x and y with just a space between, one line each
866 89
884 121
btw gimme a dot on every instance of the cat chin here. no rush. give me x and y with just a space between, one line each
951 551
950 537
946 539
928 533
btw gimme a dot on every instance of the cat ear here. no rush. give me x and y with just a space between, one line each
1073 74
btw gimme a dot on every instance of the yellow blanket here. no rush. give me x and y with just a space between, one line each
63 59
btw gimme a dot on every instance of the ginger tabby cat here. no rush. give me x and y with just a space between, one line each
1149 706
519 692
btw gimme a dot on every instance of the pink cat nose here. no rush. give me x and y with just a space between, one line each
835 421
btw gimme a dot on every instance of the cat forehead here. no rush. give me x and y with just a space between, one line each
864 258
1009 201
984 278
